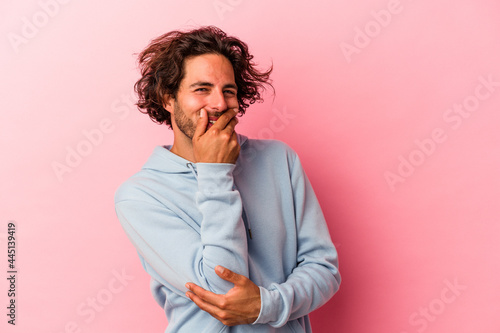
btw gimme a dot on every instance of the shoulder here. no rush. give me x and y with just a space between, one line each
266 157
155 177
273 149
134 188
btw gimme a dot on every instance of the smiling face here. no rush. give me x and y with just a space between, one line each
208 84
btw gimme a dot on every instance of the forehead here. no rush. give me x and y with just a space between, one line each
213 68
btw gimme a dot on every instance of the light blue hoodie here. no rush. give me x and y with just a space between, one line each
184 219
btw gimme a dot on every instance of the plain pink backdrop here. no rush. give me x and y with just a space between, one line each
372 91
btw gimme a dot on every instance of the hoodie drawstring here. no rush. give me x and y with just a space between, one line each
247 223
244 215
193 169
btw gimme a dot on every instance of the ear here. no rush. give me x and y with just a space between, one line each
168 103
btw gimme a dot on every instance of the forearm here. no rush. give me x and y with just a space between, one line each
223 233
306 289
181 239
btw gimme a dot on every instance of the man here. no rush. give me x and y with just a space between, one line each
228 228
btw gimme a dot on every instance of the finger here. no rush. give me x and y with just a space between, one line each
236 110
203 294
213 310
230 126
225 118
201 125
230 276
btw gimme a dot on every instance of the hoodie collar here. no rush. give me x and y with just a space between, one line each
164 160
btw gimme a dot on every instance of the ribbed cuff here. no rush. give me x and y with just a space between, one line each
215 177
270 307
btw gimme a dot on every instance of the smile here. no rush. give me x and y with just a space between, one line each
212 119
211 122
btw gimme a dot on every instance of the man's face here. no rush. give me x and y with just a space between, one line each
208 84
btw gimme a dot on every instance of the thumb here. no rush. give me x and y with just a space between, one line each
201 125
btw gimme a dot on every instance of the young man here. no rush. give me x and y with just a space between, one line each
228 227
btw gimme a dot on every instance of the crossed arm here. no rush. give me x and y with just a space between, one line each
242 303
308 286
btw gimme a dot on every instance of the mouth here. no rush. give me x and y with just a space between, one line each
211 121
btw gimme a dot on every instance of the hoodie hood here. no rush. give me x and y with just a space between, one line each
165 161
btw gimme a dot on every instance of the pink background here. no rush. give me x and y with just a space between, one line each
409 187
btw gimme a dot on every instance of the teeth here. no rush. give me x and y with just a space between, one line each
211 122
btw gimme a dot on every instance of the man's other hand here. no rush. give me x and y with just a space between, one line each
241 304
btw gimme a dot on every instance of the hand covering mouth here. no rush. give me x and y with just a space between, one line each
212 118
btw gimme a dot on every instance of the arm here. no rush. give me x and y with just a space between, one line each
168 238
172 245
316 278
310 285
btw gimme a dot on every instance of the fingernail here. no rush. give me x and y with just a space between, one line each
220 269
188 286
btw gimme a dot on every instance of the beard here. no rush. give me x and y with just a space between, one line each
185 125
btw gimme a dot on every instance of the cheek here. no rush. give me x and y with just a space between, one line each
194 105
232 102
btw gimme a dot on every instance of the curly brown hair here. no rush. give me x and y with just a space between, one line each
162 68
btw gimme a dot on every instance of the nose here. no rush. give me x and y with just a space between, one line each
216 101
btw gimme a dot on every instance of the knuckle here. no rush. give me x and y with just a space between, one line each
224 316
223 305
235 147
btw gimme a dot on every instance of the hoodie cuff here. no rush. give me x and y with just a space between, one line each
270 307
215 177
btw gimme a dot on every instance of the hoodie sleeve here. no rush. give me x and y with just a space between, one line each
316 277
175 251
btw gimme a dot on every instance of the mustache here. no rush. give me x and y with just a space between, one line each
216 114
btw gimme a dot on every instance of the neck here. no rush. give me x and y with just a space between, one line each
183 147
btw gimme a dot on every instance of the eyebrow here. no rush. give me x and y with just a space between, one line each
209 84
